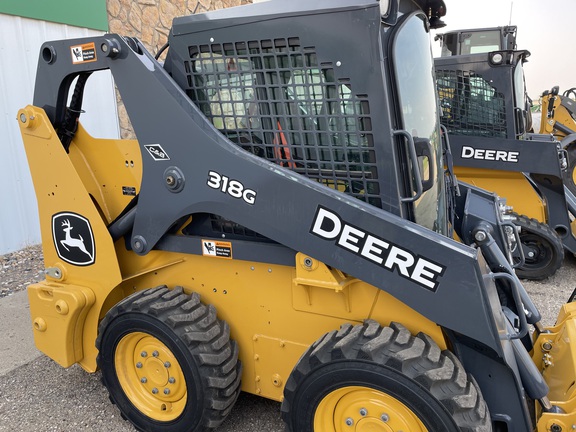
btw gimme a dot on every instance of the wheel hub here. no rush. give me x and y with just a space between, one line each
151 376
361 409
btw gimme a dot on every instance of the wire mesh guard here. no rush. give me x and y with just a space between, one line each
470 105
274 99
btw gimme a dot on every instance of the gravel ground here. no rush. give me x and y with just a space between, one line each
21 268
42 396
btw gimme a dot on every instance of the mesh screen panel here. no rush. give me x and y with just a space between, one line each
274 99
470 105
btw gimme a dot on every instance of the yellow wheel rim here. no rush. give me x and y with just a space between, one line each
150 376
361 409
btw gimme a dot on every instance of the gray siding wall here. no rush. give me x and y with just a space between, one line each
20 41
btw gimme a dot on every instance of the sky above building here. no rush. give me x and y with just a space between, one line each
546 28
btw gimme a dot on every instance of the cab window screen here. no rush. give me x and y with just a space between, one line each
276 100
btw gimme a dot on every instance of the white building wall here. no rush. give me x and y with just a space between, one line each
20 41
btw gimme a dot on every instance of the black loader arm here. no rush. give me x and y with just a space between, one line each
294 211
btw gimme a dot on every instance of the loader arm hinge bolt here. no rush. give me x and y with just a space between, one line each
480 236
555 428
547 346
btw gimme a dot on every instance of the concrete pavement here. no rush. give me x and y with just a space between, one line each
16 338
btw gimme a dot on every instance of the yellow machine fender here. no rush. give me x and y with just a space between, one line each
67 210
555 355
509 184
58 313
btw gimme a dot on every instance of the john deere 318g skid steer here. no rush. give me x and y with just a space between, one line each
282 226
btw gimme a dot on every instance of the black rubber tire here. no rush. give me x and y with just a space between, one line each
198 340
544 243
413 370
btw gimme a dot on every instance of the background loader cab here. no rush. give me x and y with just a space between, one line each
477 41
282 227
491 53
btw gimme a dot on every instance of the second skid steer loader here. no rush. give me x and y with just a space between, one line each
486 111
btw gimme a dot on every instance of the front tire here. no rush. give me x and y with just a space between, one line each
367 377
543 249
168 362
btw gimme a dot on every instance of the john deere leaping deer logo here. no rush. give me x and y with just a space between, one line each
73 238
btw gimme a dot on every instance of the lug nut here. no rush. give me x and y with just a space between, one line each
154 390
155 354
167 364
144 354
349 422
171 380
166 391
363 412
384 418
139 365
143 380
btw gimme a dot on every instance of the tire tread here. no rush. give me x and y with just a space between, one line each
206 337
417 357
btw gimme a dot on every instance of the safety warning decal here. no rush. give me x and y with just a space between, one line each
218 249
129 190
84 53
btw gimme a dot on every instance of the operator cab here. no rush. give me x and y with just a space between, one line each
307 106
475 72
477 41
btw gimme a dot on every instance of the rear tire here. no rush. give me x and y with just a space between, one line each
543 249
168 362
381 379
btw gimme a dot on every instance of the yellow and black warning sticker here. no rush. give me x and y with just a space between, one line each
84 53
219 249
